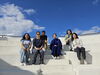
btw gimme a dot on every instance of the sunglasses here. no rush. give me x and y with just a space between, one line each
37 34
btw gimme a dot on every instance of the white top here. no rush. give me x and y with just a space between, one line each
77 43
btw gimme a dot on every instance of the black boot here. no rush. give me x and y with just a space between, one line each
41 62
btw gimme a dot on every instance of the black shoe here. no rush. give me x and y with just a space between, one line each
71 50
41 63
33 63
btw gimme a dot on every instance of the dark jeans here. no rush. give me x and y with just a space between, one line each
79 52
41 53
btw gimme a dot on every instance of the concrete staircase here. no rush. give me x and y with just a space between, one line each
10 65
68 64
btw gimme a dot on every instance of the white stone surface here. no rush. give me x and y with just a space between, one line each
67 65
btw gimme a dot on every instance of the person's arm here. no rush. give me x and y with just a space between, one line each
60 44
66 38
30 45
36 48
34 43
51 44
80 43
46 39
42 45
22 46
74 45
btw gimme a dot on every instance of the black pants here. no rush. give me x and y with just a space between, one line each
36 52
80 51
56 54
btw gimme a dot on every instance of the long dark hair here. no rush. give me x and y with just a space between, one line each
76 35
69 30
23 38
71 34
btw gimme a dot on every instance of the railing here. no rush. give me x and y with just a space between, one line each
3 37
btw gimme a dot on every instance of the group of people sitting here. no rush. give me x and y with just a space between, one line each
39 46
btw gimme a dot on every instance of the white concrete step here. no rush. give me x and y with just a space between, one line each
16 60
6 50
7 69
10 65
88 70
35 70
58 70
72 57
9 43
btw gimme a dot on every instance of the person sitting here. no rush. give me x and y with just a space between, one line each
25 49
38 48
43 37
56 46
78 47
69 39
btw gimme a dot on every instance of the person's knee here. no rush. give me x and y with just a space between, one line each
41 51
77 49
83 49
34 51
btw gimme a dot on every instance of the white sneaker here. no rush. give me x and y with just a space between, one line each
25 64
53 57
85 62
29 59
58 57
22 64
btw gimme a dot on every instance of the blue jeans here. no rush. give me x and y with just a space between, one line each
24 56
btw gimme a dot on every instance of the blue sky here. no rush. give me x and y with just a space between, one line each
53 16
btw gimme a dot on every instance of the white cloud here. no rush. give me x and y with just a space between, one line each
30 11
77 31
38 27
13 20
95 2
94 29
62 33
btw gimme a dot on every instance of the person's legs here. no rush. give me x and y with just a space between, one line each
78 53
22 56
58 51
35 56
27 56
70 46
41 57
53 51
83 52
